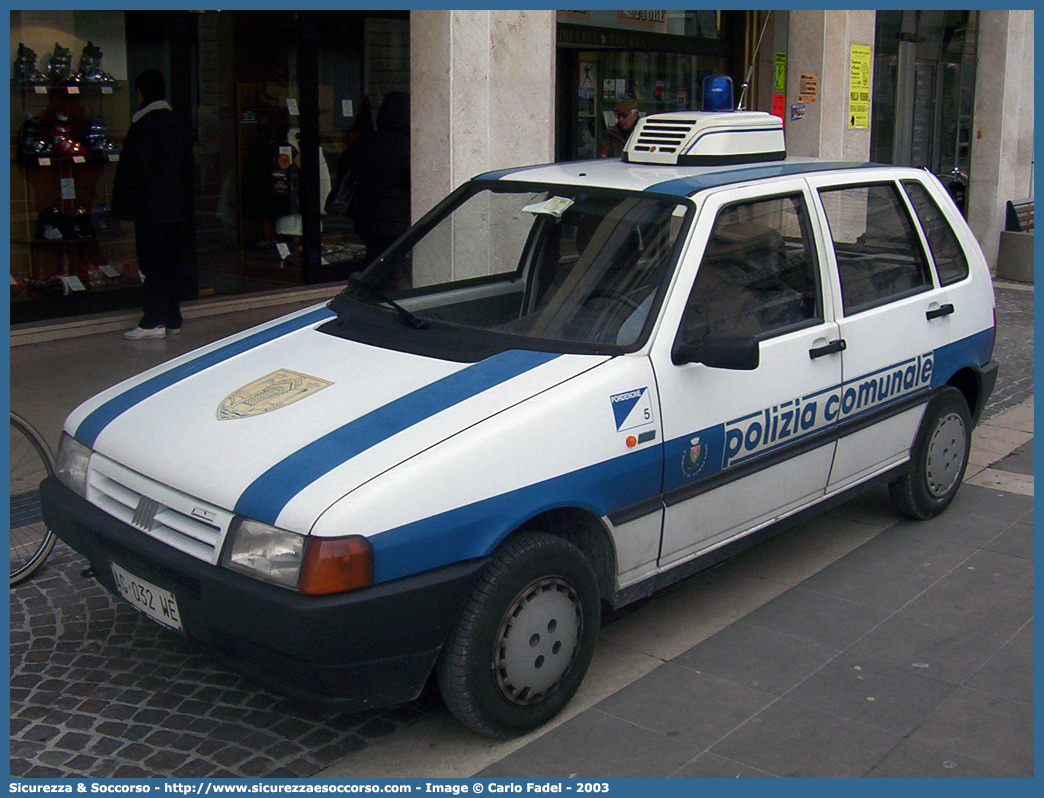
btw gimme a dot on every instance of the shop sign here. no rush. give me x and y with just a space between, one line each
574 16
779 106
808 86
647 20
859 88
797 111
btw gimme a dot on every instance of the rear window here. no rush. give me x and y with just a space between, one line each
879 255
950 262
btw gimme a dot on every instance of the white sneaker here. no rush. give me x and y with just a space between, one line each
143 333
173 331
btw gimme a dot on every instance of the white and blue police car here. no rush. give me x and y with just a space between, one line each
565 387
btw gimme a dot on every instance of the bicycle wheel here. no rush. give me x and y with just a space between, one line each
31 462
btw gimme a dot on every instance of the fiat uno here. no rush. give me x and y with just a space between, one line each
562 389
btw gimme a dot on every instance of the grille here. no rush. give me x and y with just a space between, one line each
665 136
171 517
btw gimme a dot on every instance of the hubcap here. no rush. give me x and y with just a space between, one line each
537 641
945 454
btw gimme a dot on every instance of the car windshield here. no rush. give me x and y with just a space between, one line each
555 264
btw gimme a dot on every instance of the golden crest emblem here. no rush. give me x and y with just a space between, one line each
268 393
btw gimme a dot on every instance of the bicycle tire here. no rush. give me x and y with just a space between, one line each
31 462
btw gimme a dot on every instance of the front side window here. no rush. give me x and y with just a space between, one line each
552 267
758 274
951 264
879 256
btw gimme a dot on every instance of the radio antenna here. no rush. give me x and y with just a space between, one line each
753 61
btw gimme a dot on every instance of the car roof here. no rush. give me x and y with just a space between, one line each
665 179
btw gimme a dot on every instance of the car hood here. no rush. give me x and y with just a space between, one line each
248 423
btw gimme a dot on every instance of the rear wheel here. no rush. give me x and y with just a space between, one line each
940 456
524 640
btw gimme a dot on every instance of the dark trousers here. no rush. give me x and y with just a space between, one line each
159 259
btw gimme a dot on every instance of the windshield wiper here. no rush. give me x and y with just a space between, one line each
358 284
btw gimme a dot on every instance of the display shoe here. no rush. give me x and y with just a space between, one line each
34 142
102 220
145 333
60 135
68 148
80 224
52 224
90 67
59 66
95 139
23 71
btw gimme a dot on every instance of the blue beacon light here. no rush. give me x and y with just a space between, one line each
717 93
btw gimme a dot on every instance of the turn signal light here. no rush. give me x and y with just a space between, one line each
334 565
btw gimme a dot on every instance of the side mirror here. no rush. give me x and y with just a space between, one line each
736 352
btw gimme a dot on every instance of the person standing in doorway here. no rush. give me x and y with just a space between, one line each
626 117
152 188
380 168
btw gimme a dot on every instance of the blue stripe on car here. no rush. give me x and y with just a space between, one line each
474 530
98 419
267 495
712 178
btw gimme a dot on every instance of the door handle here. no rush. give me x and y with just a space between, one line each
942 310
834 346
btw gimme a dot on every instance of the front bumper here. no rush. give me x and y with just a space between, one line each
366 648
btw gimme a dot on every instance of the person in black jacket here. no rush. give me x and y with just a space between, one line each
380 168
153 188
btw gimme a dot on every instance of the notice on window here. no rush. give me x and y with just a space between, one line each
808 87
779 80
859 88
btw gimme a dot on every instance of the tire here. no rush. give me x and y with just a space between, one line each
940 456
31 461
524 639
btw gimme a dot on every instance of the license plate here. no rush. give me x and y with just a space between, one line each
159 604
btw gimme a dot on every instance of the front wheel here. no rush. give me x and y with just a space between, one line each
524 640
940 456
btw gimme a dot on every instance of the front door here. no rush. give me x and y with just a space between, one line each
744 447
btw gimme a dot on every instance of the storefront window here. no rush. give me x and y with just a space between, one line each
657 58
261 88
70 108
659 82
924 80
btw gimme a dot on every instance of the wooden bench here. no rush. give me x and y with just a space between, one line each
1019 216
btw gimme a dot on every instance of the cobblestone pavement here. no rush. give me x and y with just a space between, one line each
98 690
1014 347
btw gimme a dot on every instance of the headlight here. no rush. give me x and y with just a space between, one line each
310 565
71 467
265 552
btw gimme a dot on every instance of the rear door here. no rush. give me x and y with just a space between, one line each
744 447
893 316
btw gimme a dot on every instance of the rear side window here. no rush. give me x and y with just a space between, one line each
758 275
879 256
947 252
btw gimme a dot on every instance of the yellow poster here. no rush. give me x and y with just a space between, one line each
859 88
